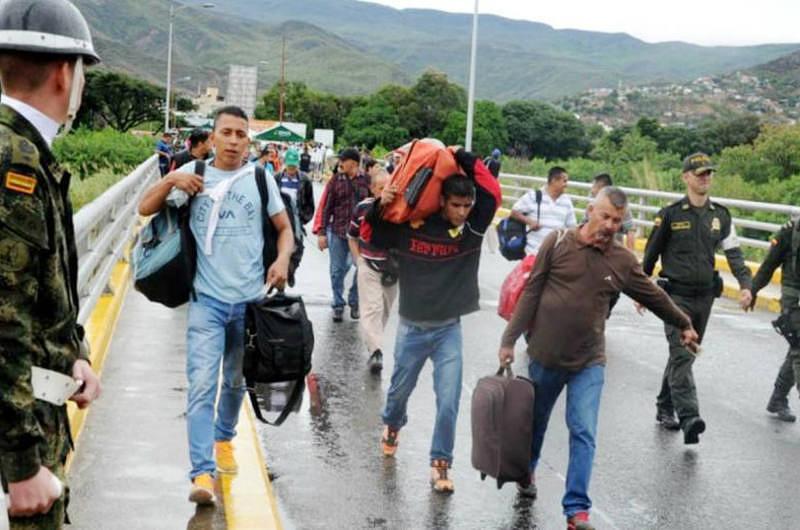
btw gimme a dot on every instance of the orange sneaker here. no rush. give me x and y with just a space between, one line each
439 480
579 521
226 462
202 491
389 441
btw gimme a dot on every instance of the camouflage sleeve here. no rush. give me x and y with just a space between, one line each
22 239
779 245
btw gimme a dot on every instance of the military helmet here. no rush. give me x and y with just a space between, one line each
45 26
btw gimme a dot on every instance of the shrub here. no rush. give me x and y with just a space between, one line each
86 152
85 191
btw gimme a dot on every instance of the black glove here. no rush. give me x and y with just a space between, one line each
467 161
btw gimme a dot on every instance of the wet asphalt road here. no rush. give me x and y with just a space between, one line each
329 472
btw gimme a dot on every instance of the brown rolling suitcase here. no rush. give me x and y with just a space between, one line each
502 427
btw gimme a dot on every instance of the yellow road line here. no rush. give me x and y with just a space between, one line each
248 497
99 332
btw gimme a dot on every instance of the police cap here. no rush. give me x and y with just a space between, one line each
45 26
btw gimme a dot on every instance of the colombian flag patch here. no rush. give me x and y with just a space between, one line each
21 183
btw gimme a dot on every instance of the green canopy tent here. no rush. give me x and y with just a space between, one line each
279 133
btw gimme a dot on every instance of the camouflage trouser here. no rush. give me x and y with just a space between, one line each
789 374
678 392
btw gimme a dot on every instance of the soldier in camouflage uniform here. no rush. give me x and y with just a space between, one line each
783 252
686 236
43 46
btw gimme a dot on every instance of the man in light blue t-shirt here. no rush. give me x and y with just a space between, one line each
226 221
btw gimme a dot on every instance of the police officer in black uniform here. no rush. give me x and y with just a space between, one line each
686 236
783 253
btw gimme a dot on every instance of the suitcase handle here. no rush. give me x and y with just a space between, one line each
507 369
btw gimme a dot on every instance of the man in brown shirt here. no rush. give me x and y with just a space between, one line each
564 305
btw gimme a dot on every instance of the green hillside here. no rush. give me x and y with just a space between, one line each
131 35
352 47
517 59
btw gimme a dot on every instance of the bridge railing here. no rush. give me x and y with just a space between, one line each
103 230
644 204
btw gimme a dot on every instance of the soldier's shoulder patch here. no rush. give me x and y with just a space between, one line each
23 152
19 182
14 255
773 241
657 221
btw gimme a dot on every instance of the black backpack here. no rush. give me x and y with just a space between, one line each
512 235
279 341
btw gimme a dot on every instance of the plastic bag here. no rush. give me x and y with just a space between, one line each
513 285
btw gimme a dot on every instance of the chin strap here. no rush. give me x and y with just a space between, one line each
75 92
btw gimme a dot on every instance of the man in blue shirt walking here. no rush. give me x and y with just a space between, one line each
226 221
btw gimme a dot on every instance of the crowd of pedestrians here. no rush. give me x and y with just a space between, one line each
430 264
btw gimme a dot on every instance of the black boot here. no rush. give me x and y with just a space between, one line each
692 428
375 362
667 420
779 406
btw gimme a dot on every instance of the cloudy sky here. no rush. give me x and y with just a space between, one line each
708 22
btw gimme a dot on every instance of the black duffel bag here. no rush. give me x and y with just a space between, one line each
279 341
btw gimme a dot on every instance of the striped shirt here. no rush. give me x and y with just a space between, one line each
553 215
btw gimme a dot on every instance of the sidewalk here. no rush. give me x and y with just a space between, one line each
131 464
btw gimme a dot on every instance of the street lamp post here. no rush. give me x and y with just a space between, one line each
172 12
471 96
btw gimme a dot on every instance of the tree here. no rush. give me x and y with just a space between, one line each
433 97
539 129
679 140
489 129
184 104
775 155
119 101
716 135
374 123
648 127
318 110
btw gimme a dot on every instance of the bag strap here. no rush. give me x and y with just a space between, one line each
269 252
538 205
294 399
184 223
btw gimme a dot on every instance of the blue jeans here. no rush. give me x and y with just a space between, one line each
583 404
215 336
413 347
341 261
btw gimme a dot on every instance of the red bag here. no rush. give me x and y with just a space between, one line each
316 228
419 181
513 285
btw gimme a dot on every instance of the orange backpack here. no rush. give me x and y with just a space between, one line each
418 179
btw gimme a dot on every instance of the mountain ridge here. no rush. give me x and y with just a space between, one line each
349 47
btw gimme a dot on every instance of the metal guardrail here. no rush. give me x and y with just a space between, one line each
644 204
103 228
